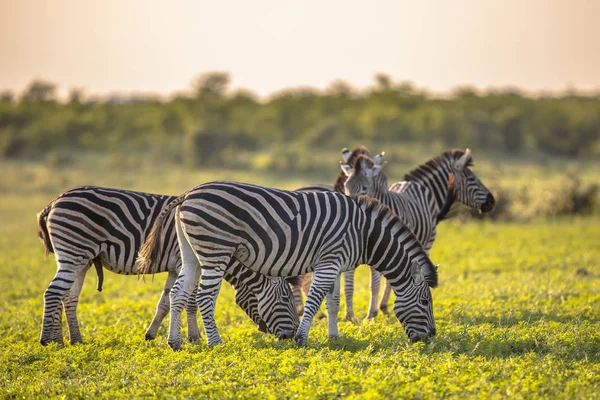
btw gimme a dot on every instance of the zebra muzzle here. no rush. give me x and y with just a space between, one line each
285 335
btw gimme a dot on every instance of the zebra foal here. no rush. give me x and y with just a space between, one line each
282 233
106 227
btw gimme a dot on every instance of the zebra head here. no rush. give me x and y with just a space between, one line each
277 308
365 176
414 304
468 189
348 158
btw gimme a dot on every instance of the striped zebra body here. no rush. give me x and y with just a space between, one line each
281 233
302 284
106 227
421 201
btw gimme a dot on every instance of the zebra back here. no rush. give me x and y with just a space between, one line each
108 225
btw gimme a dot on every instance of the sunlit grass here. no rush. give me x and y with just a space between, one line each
517 313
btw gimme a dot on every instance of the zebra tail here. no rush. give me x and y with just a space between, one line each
99 272
293 280
43 230
150 251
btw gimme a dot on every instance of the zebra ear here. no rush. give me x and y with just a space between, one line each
378 163
464 160
378 159
346 169
346 154
416 271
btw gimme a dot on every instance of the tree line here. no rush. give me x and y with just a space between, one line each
211 121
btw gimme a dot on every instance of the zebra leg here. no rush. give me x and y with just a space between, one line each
322 281
183 287
191 311
70 302
210 285
297 291
181 292
349 295
57 330
53 296
162 308
385 299
333 308
375 285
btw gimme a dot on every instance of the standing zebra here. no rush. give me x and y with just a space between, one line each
283 233
302 283
106 227
421 201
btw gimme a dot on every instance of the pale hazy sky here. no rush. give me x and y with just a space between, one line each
266 45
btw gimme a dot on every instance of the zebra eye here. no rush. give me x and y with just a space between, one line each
364 188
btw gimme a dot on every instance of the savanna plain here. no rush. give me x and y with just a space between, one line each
517 313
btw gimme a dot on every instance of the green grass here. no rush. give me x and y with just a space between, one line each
517 313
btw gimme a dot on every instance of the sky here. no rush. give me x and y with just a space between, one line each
118 46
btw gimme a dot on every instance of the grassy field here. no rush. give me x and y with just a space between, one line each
517 313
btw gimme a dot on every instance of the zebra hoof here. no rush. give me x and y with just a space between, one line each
352 319
149 336
371 316
76 341
334 337
384 310
194 338
176 345
214 343
301 340
46 342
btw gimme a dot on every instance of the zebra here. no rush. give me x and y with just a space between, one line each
105 227
302 283
423 199
287 233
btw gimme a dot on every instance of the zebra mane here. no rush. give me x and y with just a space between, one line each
339 182
424 169
372 205
362 161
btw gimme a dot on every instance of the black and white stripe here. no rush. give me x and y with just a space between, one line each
106 227
282 233
302 284
422 200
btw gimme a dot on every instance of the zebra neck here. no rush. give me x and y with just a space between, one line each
436 180
380 189
387 244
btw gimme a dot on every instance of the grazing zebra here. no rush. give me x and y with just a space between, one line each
421 201
283 233
106 227
302 283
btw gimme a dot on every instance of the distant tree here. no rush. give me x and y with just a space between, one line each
211 86
7 96
76 95
383 82
39 91
340 88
